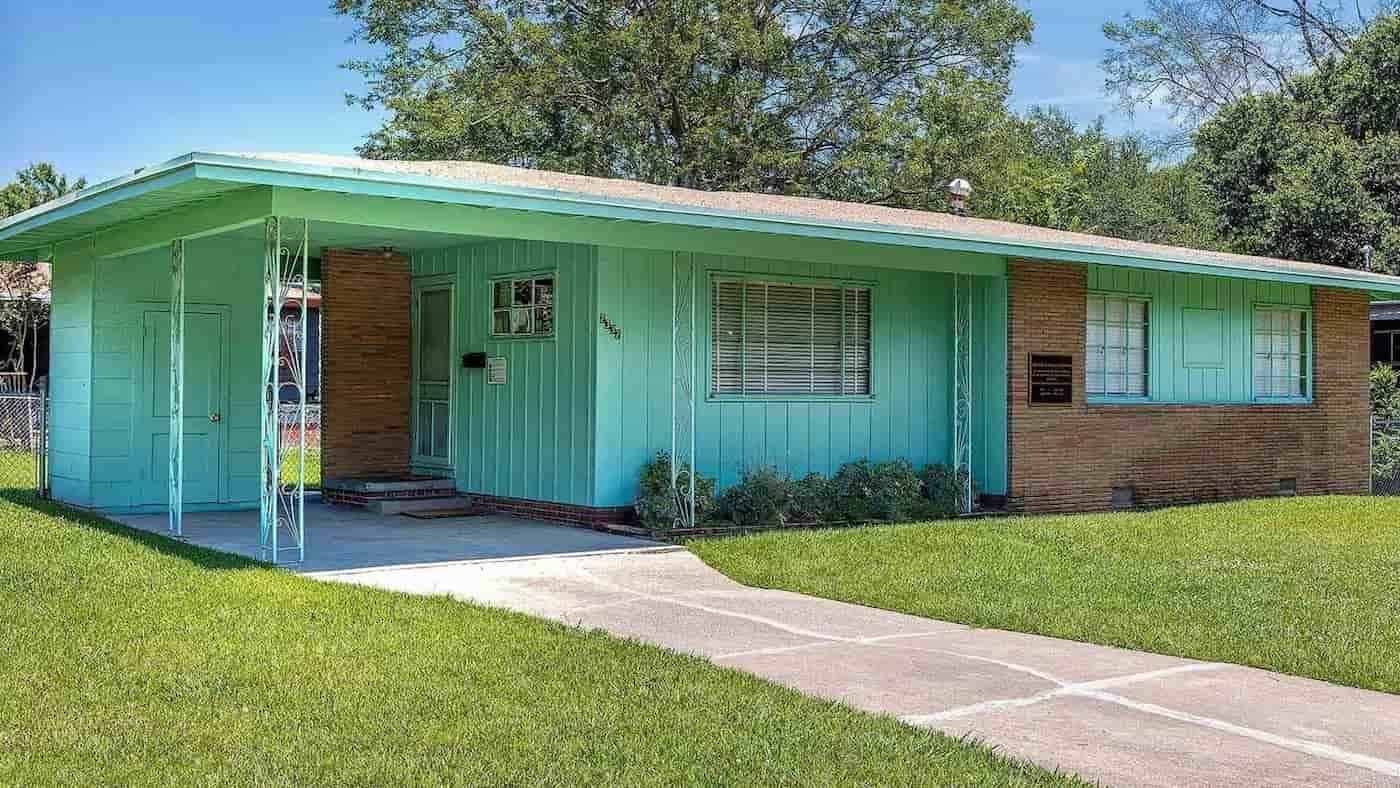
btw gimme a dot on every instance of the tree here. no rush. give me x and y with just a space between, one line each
24 308
830 98
1200 56
1312 172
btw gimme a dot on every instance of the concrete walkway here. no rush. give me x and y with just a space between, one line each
1116 716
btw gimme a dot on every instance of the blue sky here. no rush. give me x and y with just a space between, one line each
100 93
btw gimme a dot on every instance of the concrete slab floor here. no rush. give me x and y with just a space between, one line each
1110 715
341 538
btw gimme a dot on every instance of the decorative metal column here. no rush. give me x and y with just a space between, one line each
683 381
282 508
177 387
962 386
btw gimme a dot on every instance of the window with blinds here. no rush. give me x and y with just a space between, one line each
789 339
1281 363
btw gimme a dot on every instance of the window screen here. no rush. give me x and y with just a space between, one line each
1115 363
1280 353
780 338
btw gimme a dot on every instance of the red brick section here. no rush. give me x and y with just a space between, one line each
365 358
554 512
1069 458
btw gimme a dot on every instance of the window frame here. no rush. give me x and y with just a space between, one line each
521 276
1307 354
1149 330
749 277
1393 334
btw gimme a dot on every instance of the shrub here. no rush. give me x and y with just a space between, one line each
813 500
656 506
942 489
878 491
1385 392
760 497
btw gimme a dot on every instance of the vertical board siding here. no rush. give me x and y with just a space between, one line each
1174 376
989 400
909 414
532 437
223 272
70 379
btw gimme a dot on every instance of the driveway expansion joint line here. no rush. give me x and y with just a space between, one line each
1090 689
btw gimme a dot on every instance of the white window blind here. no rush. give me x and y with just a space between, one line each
1280 353
792 339
1115 361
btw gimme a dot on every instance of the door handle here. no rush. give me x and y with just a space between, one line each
216 417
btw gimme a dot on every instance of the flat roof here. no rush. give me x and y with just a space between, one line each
197 176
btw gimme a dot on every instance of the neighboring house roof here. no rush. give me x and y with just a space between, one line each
201 176
1385 310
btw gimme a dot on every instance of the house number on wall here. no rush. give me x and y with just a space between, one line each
610 326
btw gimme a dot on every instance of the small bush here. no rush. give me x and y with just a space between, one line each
760 497
942 489
813 500
656 506
877 491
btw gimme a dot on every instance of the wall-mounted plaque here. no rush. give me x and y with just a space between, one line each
1052 379
496 371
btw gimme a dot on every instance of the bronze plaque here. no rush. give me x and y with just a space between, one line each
1052 379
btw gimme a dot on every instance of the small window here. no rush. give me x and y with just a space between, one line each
523 307
1115 363
789 339
1281 353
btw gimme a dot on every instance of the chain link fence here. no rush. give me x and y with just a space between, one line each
1385 457
24 441
290 424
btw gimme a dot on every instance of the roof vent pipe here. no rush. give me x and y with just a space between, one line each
1367 250
959 190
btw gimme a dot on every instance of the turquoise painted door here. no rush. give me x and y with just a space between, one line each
433 366
206 395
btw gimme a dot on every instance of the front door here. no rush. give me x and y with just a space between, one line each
432 374
206 395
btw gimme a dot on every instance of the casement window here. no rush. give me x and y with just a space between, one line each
1282 353
793 339
1115 362
1385 347
523 307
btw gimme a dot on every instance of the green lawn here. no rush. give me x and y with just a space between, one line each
1309 586
128 658
290 467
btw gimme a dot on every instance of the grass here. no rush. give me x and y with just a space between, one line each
129 658
1308 586
290 467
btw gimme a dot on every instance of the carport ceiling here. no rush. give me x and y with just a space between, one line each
336 235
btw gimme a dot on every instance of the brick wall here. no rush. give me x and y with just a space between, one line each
365 363
1070 457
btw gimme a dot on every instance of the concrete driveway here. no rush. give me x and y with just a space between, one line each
1116 716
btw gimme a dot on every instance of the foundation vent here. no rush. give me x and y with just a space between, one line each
1124 497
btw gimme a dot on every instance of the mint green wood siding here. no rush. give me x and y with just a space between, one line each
909 414
223 273
1200 329
532 437
989 384
70 379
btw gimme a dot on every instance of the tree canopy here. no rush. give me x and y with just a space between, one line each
1312 172
831 98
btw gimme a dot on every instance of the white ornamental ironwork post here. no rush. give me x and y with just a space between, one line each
683 379
282 503
177 387
962 387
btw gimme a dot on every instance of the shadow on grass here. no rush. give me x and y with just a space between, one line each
203 557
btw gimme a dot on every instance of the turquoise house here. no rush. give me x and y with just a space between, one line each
532 338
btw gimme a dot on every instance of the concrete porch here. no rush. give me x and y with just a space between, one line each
341 538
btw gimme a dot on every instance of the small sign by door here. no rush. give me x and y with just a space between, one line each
1052 379
496 371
